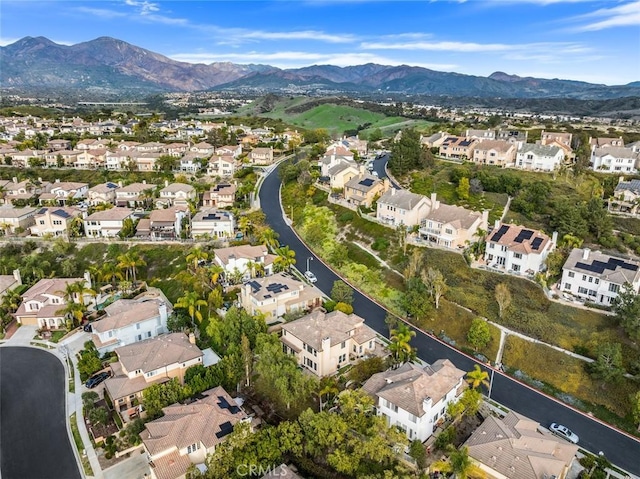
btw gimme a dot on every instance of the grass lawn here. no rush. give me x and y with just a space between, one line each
86 465
57 336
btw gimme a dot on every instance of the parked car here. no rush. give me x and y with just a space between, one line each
564 432
93 381
87 328
310 276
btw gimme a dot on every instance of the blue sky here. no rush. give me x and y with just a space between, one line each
595 41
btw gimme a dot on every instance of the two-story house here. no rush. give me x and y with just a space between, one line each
548 137
128 321
224 166
43 303
60 193
104 193
362 190
178 194
451 226
166 224
203 149
481 135
187 433
134 195
339 174
414 398
214 223
539 157
402 207
235 150
325 342
261 156
615 160
598 277
54 221
626 196
222 195
458 148
494 152
9 282
605 142
147 362
13 219
245 260
518 250
106 223
276 295
333 157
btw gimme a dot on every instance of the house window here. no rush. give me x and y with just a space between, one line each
590 279
137 325
571 274
567 286
584 277
517 255
413 418
148 334
343 345
192 448
582 290
515 267
614 288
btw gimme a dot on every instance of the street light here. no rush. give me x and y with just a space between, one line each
309 259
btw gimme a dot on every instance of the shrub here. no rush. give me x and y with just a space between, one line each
445 438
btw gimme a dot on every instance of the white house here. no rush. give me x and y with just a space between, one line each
402 207
598 277
615 160
128 321
240 260
415 398
213 223
61 192
224 166
539 157
626 196
106 223
518 250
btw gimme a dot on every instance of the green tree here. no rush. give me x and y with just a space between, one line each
89 362
477 377
344 307
158 396
598 219
286 258
635 407
400 346
341 292
166 163
479 334
406 153
413 299
568 220
129 262
463 189
191 302
459 464
627 308
608 364
195 256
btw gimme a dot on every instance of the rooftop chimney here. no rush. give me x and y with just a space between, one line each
16 276
192 338
554 237
496 225
585 253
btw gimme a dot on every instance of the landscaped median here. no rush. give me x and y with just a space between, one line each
333 231
86 465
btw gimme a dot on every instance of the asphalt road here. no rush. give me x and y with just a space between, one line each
619 448
34 443
379 167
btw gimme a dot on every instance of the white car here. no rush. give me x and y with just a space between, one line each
310 276
564 432
374 173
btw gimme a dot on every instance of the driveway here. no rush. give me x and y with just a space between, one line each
34 443
135 467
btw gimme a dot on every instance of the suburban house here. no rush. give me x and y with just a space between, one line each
261 156
512 136
334 156
494 152
435 140
61 192
480 134
363 189
606 142
54 221
277 295
191 162
128 321
539 157
104 193
598 277
519 250
615 160
9 282
459 148
151 361
548 137
626 196
178 194
106 223
214 223
451 226
166 224
240 260
187 433
224 166
235 150
325 342
203 148
23 190
339 174
222 195
43 303
415 398
401 207
516 446
13 220
134 195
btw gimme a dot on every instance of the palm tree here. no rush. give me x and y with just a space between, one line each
269 238
477 377
400 347
129 261
215 299
328 387
286 258
109 273
195 256
459 464
74 311
192 303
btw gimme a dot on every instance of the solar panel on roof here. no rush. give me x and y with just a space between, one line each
41 211
225 429
536 243
224 404
366 182
62 214
255 286
500 233
111 185
523 236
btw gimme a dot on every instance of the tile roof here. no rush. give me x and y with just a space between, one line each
111 214
617 152
408 386
539 150
157 352
363 182
604 266
136 188
212 214
456 216
516 448
403 199
125 312
499 145
270 286
337 326
176 187
244 251
11 212
519 239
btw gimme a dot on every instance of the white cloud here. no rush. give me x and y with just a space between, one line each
144 6
623 15
100 12
465 47
7 41
300 35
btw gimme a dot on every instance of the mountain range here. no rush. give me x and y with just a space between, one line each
110 66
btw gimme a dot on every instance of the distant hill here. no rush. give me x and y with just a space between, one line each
108 65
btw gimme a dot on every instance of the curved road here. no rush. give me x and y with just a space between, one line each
34 443
620 449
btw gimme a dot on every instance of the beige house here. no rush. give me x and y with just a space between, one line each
459 148
61 192
549 137
451 226
9 282
606 142
363 189
341 173
277 295
235 150
434 141
401 207
106 223
54 221
187 433
23 190
222 195
224 166
148 362
517 447
178 194
261 156
626 196
102 193
134 194
325 342
494 152
167 223
12 218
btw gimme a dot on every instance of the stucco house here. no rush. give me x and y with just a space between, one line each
615 160
261 156
61 192
494 152
187 433
402 207
240 260
222 195
178 194
598 277
325 342
539 157
517 447
12 219
626 196
134 195
54 221
106 223
363 189
459 148
166 224
548 137
9 282
518 250
415 398
102 193
214 223
224 166
277 295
